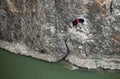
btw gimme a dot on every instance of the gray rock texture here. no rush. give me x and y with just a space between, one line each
40 29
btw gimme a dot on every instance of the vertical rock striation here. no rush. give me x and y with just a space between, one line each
40 29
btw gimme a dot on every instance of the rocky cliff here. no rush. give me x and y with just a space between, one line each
40 29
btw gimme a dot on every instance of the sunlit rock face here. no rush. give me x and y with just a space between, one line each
40 29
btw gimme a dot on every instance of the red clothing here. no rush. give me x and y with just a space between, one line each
78 21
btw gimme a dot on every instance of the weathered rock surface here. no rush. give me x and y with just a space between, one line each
40 29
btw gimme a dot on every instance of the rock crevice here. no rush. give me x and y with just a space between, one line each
40 29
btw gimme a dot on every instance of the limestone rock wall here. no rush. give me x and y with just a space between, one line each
40 28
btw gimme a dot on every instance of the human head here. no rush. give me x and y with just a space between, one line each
81 20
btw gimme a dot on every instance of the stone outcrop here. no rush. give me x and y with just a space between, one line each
40 29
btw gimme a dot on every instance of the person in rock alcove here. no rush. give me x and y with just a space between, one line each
75 22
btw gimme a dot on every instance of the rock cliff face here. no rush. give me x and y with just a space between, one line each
40 29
